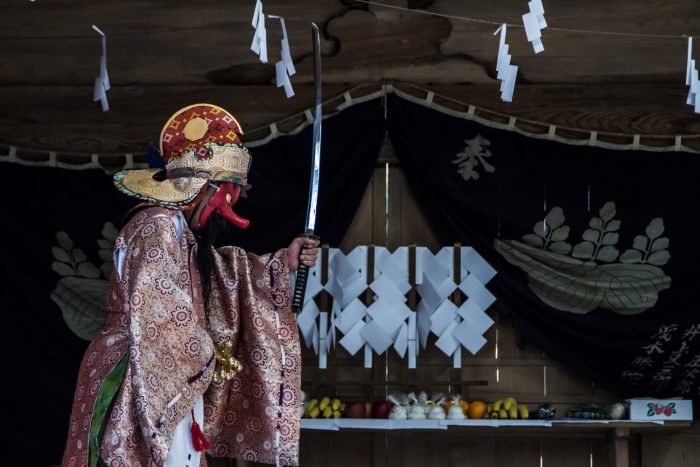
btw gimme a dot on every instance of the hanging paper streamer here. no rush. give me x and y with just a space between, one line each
455 326
102 81
307 319
434 285
389 313
506 72
475 322
347 282
388 321
285 67
259 45
534 23
691 79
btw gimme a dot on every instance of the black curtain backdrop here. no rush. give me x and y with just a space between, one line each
279 179
655 352
41 354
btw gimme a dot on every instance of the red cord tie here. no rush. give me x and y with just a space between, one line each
199 441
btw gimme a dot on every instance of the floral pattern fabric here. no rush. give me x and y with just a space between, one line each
250 304
156 314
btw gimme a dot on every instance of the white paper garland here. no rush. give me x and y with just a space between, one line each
534 22
506 72
388 321
102 80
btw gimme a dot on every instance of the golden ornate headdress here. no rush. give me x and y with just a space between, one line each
198 143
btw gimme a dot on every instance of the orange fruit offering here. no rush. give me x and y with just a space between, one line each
477 409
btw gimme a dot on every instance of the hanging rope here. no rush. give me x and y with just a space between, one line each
520 25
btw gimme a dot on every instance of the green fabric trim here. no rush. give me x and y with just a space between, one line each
103 402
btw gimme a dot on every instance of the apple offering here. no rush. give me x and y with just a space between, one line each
355 410
382 409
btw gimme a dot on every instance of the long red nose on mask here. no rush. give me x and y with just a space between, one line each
223 202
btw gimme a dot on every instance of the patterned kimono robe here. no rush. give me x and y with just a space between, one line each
156 354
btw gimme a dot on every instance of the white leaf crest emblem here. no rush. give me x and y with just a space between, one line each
81 293
592 273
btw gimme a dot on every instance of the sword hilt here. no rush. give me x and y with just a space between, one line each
302 276
300 288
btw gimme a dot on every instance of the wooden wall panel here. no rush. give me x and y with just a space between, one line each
361 231
573 452
477 452
682 449
508 346
327 449
416 451
414 228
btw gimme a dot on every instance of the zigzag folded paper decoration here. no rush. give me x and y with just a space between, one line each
102 81
306 320
447 342
376 335
476 265
442 317
353 341
476 292
534 22
401 341
388 321
464 324
435 286
285 67
474 316
691 79
469 337
393 266
506 72
350 315
259 45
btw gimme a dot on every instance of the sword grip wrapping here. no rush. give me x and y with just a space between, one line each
300 288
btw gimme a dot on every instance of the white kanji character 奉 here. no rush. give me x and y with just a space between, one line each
474 153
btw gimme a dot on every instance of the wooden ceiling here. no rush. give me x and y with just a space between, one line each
167 54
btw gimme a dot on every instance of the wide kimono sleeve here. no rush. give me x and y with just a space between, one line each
255 415
171 356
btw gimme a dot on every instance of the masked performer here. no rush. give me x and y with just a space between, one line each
200 349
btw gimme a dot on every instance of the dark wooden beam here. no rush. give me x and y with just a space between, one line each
65 119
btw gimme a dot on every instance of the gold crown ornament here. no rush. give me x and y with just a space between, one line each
197 144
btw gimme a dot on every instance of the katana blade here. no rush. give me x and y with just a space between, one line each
310 226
